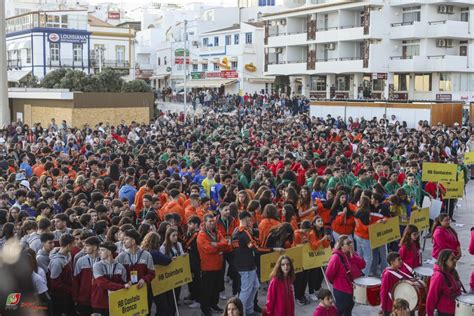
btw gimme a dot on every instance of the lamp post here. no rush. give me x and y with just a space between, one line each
4 107
185 62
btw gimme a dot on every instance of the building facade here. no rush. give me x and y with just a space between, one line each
373 49
41 41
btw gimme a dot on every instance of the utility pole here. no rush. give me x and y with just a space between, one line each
4 106
185 61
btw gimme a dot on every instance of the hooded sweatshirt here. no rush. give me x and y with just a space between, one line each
107 277
128 191
442 292
444 238
31 241
82 281
60 268
42 257
342 274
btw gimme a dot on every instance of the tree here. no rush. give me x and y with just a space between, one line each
53 78
136 86
110 80
74 80
29 81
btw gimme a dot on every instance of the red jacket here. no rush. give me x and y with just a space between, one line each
211 256
336 271
107 277
280 298
82 280
60 268
325 311
410 256
442 292
445 238
142 262
389 279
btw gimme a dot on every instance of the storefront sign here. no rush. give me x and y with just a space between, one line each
229 74
180 52
317 95
436 172
68 38
198 75
399 96
180 61
113 15
444 97
213 74
383 233
379 75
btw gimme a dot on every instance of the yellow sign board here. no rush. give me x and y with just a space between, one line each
268 261
421 219
315 258
437 172
169 277
469 158
129 302
382 233
454 190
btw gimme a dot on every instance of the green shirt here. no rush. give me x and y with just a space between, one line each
391 188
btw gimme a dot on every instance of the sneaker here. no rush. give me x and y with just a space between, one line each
222 296
453 220
217 309
194 305
188 300
301 301
226 279
313 297
307 300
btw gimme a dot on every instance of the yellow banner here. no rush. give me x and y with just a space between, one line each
469 158
268 261
169 277
437 172
315 258
382 233
421 219
454 190
129 302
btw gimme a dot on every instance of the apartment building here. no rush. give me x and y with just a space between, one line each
41 41
373 49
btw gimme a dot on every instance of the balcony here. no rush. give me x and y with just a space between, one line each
211 50
447 63
143 49
110 64
285 68
420 2
67 62
339 65
407 30
14 64
343 33
287 39
407 64
448 29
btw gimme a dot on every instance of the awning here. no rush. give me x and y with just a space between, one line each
207 83
159 76
262 80
24 45
17 75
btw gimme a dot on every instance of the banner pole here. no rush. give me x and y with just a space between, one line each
175 303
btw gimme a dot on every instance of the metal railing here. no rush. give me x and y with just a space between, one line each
402 23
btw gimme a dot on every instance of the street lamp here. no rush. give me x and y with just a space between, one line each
99 51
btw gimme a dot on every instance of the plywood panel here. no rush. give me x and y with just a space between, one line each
323 111
410 116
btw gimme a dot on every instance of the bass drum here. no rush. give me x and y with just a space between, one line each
413 291
465 305
367 291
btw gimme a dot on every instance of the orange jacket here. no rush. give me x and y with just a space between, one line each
189 211
344 225
300 237
228 230
264 227
139 198
211 256
172 207
323 212
293 222
315 242
200 212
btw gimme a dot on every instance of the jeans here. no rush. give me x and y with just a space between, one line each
379 257
248 289
363 248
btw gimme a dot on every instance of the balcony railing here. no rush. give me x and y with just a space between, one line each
67 62
110 63
400 57
14 63
402 24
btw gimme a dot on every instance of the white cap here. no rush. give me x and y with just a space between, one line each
25 183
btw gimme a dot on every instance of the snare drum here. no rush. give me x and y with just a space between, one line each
424 273
367 291
465 305
413 291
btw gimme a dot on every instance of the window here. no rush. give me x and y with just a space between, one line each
343 83
236 39
465 14
263 3
28 55
179 67
410 48
216 41
57 21
228 39
120 53
445 83
234 65
248 38
318 83
77 52
401 82
378 84
411 14
461 82
195 67
204 67
54 51
165 62
216 67
422 82
159 61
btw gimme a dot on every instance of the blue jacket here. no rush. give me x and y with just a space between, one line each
128 192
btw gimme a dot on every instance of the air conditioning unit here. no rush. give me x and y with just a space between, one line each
450 9
279 50
449 43
441 43
283 21
443 9
195 43
331 46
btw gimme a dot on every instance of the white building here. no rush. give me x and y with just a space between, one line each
41 41
397 49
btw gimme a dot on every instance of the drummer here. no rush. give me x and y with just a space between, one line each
445 285
410 247
390 276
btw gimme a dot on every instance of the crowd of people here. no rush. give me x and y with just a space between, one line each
96 208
